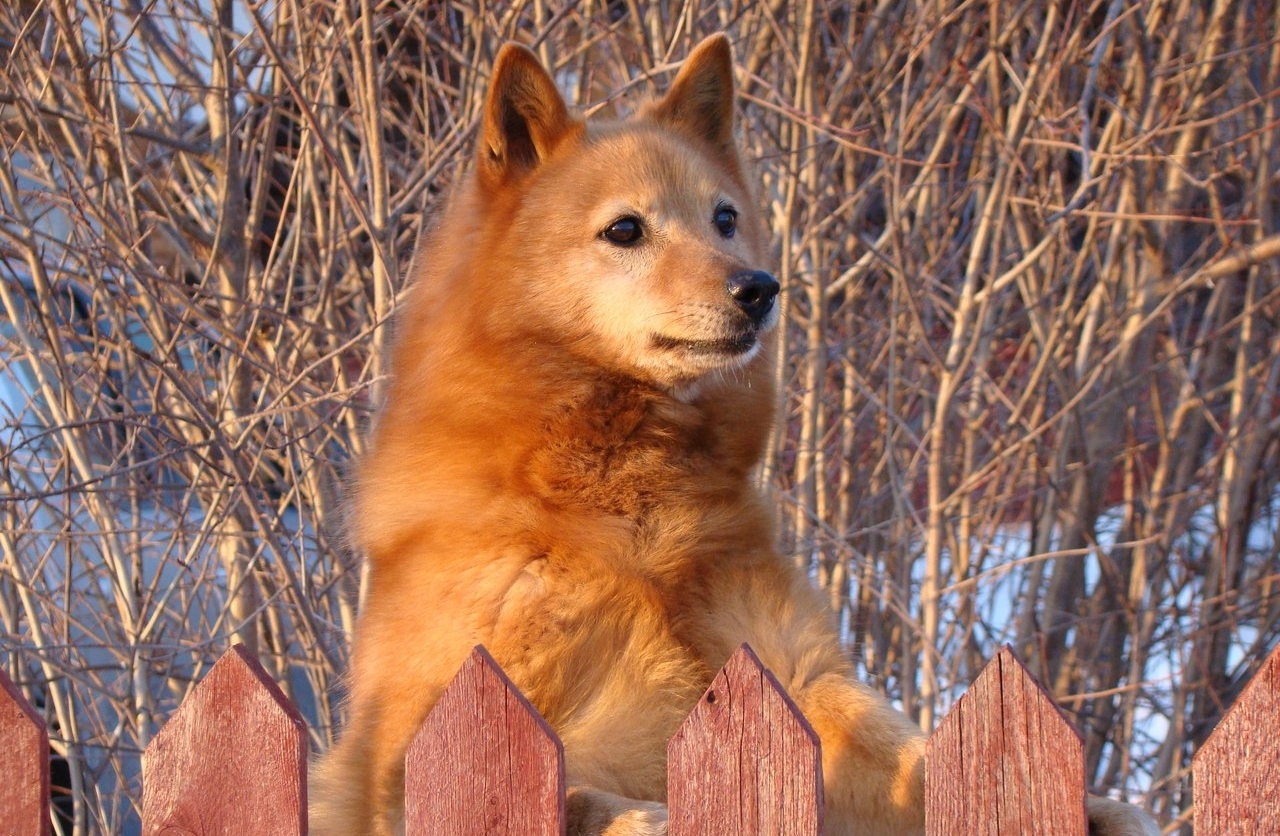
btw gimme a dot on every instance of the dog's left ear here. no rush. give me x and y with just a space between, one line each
700 101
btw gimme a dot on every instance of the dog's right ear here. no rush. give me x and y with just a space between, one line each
525 117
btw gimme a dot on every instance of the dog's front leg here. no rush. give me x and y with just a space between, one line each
872 758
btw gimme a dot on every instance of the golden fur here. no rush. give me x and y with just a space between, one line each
562 469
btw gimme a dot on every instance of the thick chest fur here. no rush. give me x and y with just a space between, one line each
623 449
604 627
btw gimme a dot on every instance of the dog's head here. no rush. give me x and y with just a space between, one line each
637 243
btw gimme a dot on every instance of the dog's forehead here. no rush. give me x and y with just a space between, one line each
655 165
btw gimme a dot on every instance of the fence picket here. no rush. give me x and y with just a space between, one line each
1237 770
745 760
1005 760
230 762
24 765
484 761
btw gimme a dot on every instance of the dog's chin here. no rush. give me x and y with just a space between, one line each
687 363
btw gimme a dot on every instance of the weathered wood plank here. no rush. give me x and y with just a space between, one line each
484 762
1237 770
1004 760
230 762
745 760
24 765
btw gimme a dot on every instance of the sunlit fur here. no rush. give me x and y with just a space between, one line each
562 470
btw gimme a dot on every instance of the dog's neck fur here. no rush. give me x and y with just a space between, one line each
583 438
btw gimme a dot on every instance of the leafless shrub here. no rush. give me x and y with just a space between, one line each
1030 251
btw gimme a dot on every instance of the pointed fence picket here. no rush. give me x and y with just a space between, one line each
232 761
1237 770
1005 760
24 765
745 760
484 762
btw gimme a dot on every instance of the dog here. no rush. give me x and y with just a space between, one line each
582 384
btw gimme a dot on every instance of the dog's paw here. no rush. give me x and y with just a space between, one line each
593 812
1113 818
647 819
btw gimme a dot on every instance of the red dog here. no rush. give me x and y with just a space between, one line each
582 386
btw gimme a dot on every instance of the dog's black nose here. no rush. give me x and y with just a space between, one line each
754 291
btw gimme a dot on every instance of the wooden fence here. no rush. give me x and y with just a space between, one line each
232 761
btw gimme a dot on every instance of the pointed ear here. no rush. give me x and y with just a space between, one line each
700 101
525 117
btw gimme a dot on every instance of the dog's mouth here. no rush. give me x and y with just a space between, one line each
732 346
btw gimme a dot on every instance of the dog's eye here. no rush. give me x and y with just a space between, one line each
624 231
726 220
